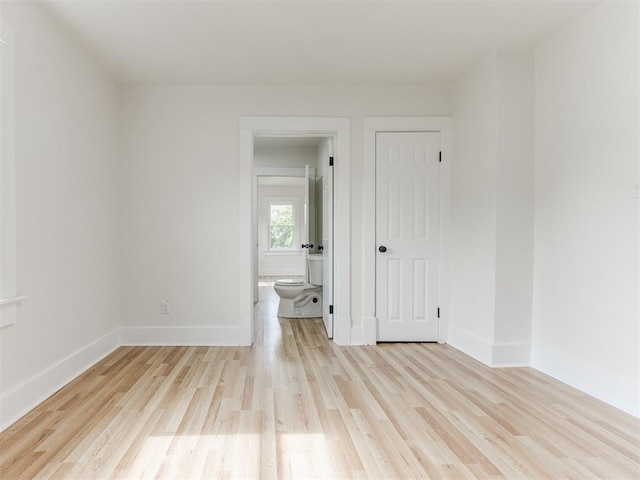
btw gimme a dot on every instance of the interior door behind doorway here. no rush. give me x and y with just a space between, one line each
407 235
327 235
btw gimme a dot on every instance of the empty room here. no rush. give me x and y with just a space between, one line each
319 239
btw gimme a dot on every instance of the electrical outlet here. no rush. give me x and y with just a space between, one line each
164 307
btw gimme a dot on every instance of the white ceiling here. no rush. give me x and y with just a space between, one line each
304 41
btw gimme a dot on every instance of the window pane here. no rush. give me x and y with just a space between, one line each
281 226
281 215
281 236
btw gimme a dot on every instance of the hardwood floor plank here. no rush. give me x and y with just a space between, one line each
297 406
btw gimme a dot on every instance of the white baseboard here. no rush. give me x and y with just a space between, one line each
611 388
342 330
180 336
492 354
471 344
369 330
511 355
357 336
21 399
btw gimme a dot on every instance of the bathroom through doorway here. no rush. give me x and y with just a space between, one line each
337 129
292 225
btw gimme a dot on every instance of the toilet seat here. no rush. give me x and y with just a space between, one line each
289 282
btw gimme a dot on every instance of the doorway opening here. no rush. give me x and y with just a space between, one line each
292 224
261 131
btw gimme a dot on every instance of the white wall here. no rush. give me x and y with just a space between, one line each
285 157
473 205
492 210
8 274
275 263
585 309
180 176
514 207
67 214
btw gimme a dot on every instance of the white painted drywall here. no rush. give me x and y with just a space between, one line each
275 263
285 157
67 213
473 216
514 200
492 210
9 289
585 304
180 179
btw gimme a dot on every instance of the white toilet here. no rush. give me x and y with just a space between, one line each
300 299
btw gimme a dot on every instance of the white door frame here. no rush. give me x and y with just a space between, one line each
339 130
403 124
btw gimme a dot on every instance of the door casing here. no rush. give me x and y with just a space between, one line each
339 129
372 125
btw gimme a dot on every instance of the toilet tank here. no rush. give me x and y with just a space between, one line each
315 269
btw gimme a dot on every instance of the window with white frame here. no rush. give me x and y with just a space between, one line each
282 224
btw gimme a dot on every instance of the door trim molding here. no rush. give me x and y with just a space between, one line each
372 125
339 129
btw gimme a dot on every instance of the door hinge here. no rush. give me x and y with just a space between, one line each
440 157
331 309
331 161
438 312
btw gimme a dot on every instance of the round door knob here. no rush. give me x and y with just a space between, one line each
382 249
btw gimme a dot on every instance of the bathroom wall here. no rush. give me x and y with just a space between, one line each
288 156
280 263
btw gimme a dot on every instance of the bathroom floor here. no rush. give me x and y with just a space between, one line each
266 310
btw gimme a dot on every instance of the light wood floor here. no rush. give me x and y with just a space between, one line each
295 405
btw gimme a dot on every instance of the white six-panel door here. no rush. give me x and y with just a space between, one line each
407 235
